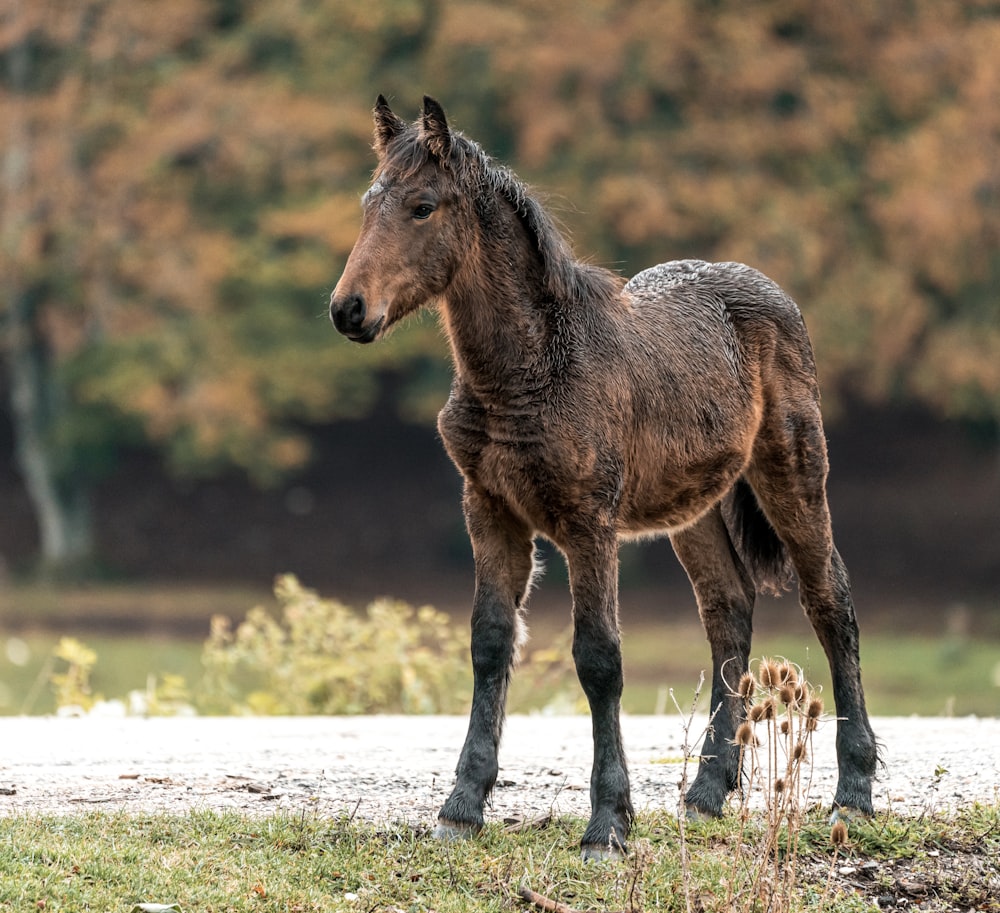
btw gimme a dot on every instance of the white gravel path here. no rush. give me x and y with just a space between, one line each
400 768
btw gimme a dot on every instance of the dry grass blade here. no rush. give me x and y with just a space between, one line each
777 768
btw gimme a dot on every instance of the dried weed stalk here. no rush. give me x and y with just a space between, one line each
775 745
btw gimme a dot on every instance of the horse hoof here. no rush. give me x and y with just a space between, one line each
593 852
847 815
696 814
454 830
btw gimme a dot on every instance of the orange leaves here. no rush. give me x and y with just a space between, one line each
851 157
152 27
188 195
938 203
333 219
637 208
479 24
959 371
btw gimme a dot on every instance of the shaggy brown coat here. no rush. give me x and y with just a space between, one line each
682 403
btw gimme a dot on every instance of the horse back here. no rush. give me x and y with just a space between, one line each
725 323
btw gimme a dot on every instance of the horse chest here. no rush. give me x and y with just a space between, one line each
515 461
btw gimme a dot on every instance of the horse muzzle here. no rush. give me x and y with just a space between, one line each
349 315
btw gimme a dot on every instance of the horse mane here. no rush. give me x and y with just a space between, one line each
566 278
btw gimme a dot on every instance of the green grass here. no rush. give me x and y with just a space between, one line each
129 605
225 862
124 664
904 673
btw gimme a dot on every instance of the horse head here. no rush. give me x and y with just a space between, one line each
414 230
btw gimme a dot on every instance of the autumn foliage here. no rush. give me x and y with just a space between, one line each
180 189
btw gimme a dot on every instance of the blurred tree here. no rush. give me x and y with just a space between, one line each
170 200
48 256
814 144
181 182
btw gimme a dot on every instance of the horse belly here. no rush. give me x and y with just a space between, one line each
668 500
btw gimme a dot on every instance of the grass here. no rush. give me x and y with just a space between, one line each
904 674
124 664
133 629
226 862
125 606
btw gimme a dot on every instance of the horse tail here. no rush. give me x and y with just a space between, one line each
763 554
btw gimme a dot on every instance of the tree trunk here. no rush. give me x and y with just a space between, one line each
37 404
61 503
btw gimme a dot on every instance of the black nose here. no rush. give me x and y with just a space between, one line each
348 314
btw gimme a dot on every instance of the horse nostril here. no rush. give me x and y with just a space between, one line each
348 314
355 311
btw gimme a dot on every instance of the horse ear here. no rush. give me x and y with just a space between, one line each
387 125
436 132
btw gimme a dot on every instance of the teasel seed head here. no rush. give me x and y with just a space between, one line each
815 709
838 833
744 734
779 786
756 713
799 753
768 709
787 695
769 674
784 727
747 686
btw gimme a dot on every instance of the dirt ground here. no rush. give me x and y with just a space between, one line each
399 770
387 768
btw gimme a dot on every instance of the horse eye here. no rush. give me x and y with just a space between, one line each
423 211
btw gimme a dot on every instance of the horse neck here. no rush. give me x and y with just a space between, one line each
498 318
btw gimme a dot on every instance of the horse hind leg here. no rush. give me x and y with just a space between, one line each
788 474
831 610
504 555
725 595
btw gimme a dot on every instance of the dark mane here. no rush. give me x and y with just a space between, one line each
567 279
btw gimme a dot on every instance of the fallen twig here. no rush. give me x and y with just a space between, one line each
527 824
546 903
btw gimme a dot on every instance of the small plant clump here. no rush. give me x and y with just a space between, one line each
318 656
71 684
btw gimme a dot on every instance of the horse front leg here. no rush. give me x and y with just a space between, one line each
598 657
503 548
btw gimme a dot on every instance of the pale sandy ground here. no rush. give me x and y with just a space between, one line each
388 769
